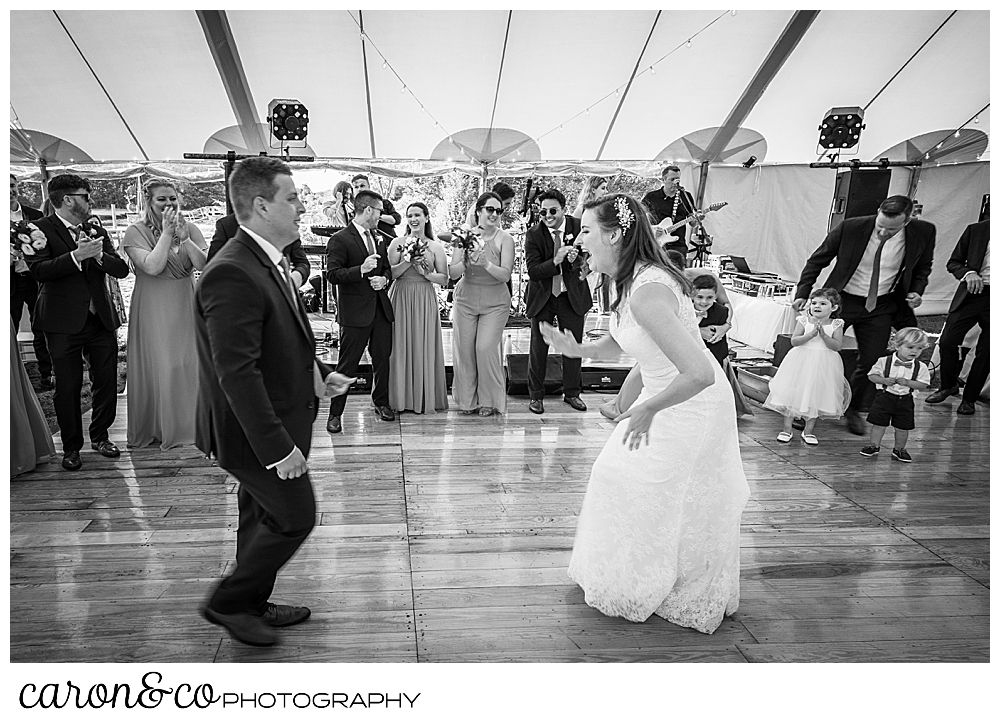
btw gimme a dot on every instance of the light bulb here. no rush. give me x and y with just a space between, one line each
958 134
976 119
733 13
688 43
403 89
385 65
652 70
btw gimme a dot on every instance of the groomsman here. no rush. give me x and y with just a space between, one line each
74 312
970 264
555 290
24 289
357 263
389 218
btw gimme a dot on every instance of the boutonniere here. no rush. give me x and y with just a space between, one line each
569 237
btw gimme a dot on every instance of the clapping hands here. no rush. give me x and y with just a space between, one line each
562 341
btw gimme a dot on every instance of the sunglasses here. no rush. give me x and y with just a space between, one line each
84 196
550 211
493 209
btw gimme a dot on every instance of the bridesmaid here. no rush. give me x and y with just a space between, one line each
162 359
480 312
416 366
30 438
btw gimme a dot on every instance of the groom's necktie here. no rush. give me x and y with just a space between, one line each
557 281
870 301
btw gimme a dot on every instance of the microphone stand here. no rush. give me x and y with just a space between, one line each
704 242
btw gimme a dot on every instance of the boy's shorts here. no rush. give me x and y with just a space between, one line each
892 410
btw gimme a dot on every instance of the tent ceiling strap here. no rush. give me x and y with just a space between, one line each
106 93
488 146
368 90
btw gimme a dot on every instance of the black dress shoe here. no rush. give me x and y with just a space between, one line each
576 403
281 616
966 408
940 395
106 447
536 406
247 628
333 425
71 461
385 413
855 423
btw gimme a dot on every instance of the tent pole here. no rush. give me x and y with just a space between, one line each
43 169
702 179
911 192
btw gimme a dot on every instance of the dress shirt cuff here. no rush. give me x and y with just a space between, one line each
275 464
970 271
79 264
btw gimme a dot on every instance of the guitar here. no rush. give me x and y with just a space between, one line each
659 228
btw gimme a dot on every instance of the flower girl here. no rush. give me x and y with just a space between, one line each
810 382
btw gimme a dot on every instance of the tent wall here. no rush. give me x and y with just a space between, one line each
778 215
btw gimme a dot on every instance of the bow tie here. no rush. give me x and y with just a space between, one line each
899 363
701 314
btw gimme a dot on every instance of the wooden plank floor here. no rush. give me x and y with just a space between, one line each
446 538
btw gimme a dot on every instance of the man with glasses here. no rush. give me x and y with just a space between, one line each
555 290
358 264
23 288
389 218
75 314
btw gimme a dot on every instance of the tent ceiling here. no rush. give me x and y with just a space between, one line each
156 67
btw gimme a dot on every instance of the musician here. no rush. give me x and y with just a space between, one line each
671 201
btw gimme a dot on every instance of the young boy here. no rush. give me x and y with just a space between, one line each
712 316
896 376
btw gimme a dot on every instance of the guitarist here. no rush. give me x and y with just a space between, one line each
671 201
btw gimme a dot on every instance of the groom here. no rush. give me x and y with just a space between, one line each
259 378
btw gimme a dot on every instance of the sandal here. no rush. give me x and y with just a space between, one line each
468 411
486 412
784 436
809 438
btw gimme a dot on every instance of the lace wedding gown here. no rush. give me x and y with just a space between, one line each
659 529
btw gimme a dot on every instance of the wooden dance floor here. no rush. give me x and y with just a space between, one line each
446 538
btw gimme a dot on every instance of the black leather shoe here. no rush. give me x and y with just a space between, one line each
966 408
106 447
798 423
385 414
536 406
940 395
247 628
855 423
71 461
576 403
333 425
281 616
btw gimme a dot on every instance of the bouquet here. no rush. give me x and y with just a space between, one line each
25 240
465 238
414 248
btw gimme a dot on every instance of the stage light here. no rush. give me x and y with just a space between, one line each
289 119
748 163
841 128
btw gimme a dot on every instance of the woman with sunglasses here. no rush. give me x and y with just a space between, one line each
164 250
480 312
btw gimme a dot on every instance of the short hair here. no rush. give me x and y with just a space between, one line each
504 191
910 335
254 178
831 295
63 184
553 194
896 206
705 281
366 199
677 258
360 175
669 168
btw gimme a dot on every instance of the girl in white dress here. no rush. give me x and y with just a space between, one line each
810 382
660 523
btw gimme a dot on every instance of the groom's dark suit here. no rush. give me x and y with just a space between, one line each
571 306
365 315
62 312
257 403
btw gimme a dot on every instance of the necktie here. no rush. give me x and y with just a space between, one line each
288 276
370 241
557 282
873 284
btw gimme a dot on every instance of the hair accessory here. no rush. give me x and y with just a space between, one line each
625 216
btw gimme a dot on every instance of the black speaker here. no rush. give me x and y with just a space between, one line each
859 192
602 378
517 374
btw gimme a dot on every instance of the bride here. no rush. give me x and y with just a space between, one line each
660 524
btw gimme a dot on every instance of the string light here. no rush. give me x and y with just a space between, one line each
403 89
588 111
617 93
652 70
958 134
688 43
385 65
976 120
733 13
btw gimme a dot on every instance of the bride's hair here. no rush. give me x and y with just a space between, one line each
638 247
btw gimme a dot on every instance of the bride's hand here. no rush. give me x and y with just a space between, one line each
562 341
640 417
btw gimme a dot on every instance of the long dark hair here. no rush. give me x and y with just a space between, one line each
481 201
427 214
638 247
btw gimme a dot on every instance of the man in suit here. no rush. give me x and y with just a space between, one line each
357 263
75 314
970 264
389 218
882 266
226 228
670 201
259 376
24 289
555 290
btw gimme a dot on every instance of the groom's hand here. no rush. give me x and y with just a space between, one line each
337 384
292 467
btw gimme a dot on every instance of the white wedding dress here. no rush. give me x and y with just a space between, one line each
659 529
